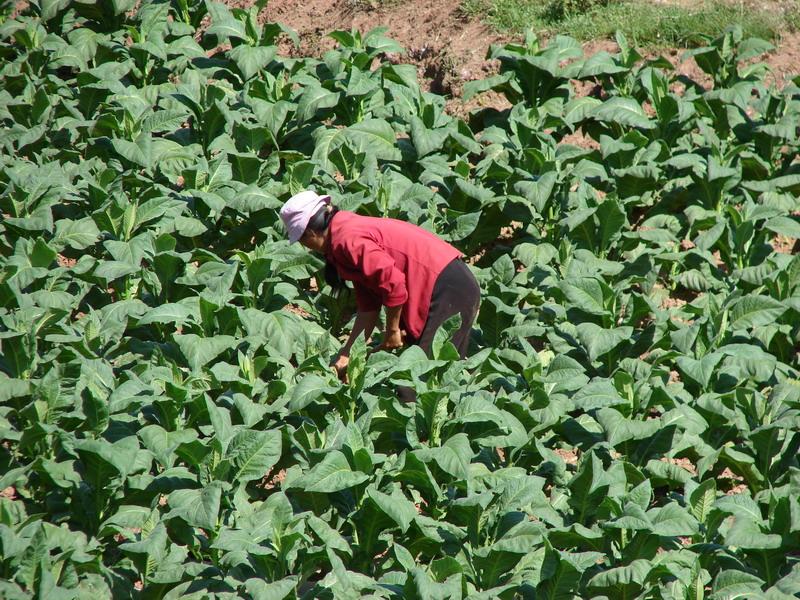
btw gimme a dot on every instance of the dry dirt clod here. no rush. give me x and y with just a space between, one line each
568 456
683 463
65 262
785 245
737 483
276 480
294 309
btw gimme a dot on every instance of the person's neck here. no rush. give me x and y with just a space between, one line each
326 243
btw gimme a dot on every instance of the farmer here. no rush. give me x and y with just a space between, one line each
420 279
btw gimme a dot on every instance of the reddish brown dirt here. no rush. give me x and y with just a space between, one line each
785 245
63 261
19 7
421 506
450 49
683 463
568 456
274 481
785 61
300 312
581 140
734 483
670 302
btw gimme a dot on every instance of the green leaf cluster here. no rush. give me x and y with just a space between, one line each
626 427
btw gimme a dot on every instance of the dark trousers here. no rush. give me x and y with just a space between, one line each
455 292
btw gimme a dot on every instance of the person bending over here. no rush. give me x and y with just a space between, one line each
420 279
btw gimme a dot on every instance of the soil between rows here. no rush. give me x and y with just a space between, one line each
448 47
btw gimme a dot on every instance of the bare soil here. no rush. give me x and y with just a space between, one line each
65 262
731 482
300 312
273 480
785 245
450 48
568 456
683 463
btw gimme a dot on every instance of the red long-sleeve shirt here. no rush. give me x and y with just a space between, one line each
390 263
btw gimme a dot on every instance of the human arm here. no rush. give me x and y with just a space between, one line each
381 283
392 337
388 285
364 324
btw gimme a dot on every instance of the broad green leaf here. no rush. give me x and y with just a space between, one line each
755 311
623 111
598 341
276 590
200 351
733 584
154 544
315 98
199 508
251 59
619 429
597 394
585 294
77 234
253 453
332 474
396 506
618 578
168 313
673 520
701 500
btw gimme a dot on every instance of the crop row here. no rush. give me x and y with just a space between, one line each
627 425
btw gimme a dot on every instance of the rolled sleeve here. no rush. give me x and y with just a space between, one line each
381 275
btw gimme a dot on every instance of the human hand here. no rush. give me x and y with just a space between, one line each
340 366
392 339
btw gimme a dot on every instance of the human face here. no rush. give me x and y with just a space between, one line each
313 240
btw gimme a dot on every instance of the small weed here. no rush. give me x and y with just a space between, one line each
645 24
507 15
792 18
650 25
365 5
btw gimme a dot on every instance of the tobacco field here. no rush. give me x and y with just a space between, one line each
626 427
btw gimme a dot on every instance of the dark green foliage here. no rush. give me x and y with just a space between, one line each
626 427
